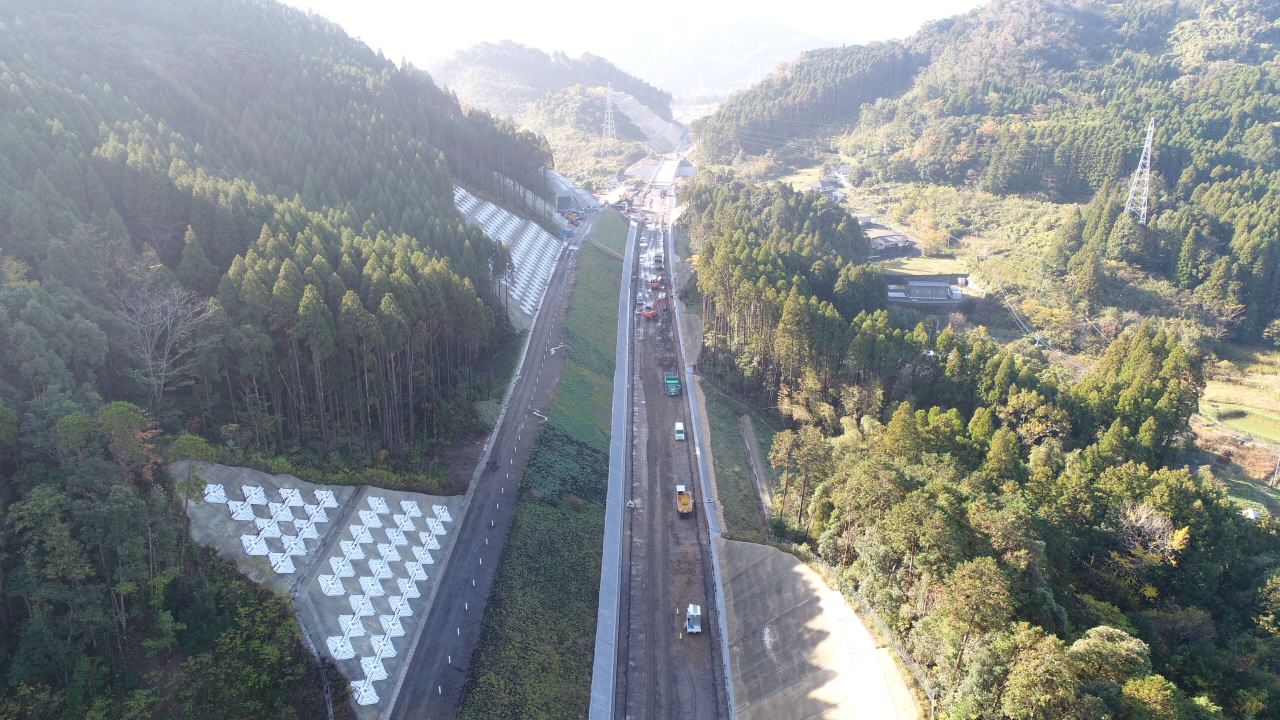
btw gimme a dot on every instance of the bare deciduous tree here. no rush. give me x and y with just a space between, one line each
1148 534
163 322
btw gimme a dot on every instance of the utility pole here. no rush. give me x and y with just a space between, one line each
1140 188
610 144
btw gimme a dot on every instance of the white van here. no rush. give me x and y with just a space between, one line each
679 431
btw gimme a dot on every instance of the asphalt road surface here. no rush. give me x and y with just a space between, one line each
666 559
433 684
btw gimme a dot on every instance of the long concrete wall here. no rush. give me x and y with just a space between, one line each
605 662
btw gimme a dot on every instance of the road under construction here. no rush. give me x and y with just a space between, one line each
662 671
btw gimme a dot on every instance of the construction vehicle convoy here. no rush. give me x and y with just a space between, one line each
684 501
672 383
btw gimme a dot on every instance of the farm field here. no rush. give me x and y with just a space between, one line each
923 266
1244 392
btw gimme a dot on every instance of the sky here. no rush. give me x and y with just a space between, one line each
426 32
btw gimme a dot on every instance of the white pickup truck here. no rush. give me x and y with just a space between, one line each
693 619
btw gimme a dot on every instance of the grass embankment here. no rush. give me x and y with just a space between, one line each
534 656
611 231
743 517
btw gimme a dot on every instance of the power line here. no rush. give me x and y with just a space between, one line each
1028 328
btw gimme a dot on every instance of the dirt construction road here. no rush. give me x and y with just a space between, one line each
666 559
433 684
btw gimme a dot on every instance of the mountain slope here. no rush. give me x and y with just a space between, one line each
1053 98
226 232
505 77
706 61
820 89
559 97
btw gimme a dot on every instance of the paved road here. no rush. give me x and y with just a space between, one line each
433 684
666 559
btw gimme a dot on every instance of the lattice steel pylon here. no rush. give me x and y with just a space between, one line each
1140 188
609 146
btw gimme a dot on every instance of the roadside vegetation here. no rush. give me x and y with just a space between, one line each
735 486
537 637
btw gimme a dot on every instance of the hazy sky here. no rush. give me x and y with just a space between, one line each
424 32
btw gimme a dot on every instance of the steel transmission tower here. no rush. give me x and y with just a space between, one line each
610 144
1141 185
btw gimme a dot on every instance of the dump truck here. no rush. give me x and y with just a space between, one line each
693 619
684 501
672 381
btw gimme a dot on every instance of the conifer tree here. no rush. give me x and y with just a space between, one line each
902 437
196 272
1187 257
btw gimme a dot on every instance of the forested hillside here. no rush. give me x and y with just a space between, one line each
805 99
226 232
505 77
1052 99
556 96
1032 533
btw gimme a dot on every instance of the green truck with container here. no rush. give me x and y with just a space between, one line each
672 382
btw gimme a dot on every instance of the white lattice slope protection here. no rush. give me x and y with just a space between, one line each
357 561
277 529
533 250
378 568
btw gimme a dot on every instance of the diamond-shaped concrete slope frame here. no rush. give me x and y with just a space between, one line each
267 538
364 693
386 567
533 250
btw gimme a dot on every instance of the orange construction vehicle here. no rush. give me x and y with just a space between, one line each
653 311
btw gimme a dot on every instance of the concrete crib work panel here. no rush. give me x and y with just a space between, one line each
797 649
360 563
